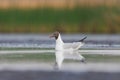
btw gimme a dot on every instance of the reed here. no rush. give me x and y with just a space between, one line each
80 19
56 3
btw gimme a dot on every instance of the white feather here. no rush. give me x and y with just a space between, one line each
60 45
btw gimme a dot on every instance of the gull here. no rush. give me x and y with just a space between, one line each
60 45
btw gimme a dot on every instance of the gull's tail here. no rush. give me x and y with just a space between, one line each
82 39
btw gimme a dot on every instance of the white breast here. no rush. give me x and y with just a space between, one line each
59 43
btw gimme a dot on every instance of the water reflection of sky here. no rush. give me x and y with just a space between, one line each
43 40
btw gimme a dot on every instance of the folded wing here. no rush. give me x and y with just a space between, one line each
74 45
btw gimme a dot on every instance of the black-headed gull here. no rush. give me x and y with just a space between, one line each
60 45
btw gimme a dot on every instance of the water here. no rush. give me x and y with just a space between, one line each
69 71
53 75
43 40
39 73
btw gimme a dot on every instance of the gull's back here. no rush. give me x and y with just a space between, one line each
74 45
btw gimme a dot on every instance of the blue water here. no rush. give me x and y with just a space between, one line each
43 40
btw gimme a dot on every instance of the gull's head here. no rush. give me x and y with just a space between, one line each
55 35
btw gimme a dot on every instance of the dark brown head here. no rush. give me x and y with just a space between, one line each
55 35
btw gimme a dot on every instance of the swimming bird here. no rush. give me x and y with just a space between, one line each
60 45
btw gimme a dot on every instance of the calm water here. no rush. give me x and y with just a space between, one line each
83 71
43 40
53 75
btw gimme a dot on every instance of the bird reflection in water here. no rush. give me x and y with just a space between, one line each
68 55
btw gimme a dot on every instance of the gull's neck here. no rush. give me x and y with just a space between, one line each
59 43
59 40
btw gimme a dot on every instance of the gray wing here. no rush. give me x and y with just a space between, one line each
75 45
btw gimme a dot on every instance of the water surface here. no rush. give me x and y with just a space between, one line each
43 40
26 65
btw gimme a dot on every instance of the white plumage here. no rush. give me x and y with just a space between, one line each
66 50
60 45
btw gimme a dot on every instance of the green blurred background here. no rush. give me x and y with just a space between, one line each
67 16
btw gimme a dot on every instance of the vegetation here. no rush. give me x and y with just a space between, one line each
24 4
77 20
